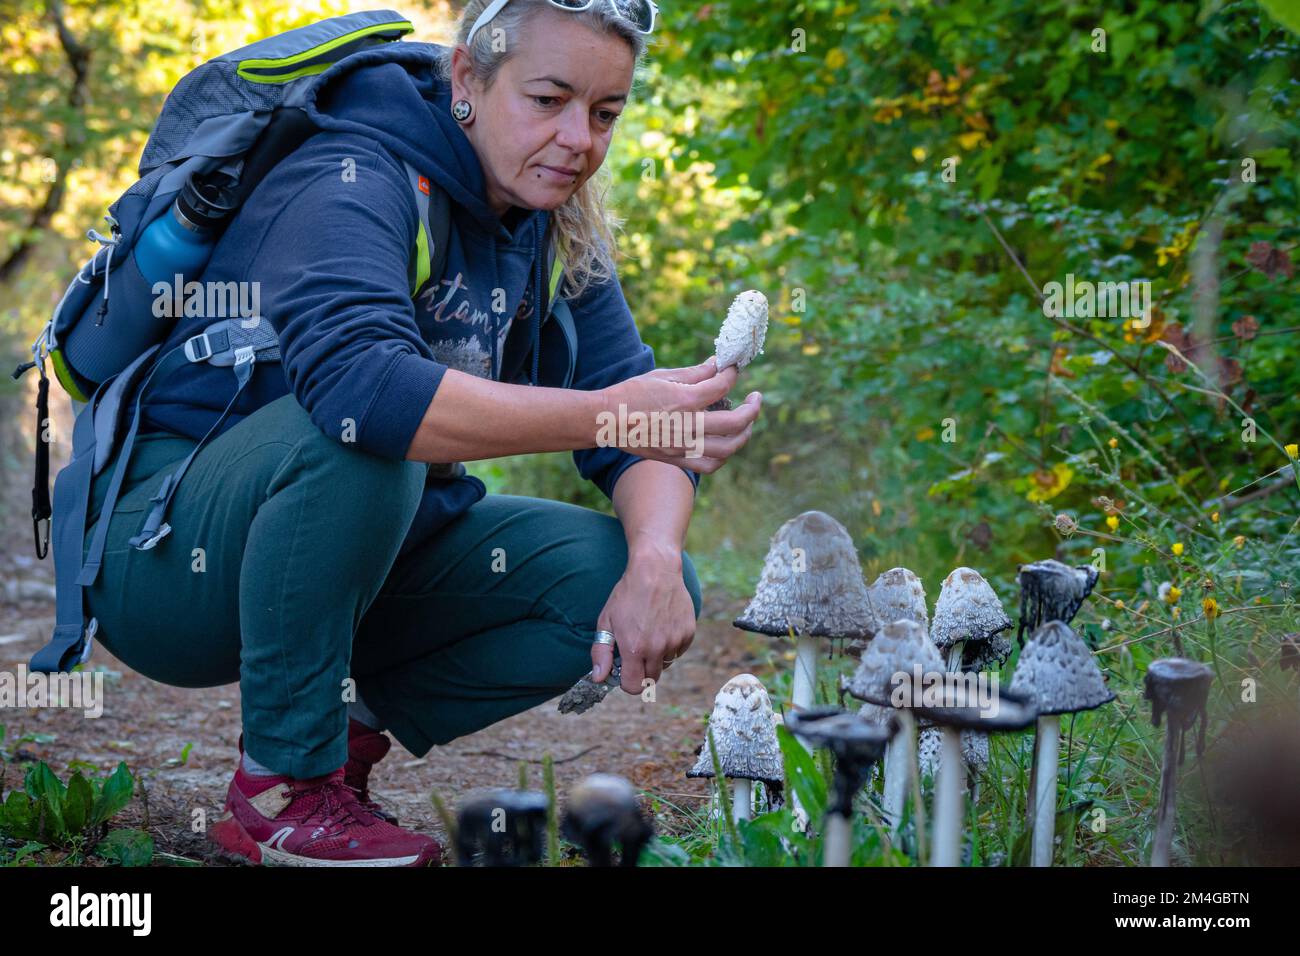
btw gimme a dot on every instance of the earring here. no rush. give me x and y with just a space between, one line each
460 110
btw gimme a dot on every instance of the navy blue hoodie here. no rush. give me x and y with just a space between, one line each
329 235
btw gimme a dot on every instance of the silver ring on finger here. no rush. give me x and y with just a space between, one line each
605 637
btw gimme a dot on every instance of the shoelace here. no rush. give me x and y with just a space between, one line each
338 804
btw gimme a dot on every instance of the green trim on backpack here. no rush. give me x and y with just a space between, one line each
422 266
65 376
557 272
403 26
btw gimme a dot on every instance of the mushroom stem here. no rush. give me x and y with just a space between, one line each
948 802
954 656
1043 781
839 830
1168 799
805 672
742 798
898 768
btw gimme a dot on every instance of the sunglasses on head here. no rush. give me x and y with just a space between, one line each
641 13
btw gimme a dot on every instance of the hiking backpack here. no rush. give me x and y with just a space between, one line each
235 116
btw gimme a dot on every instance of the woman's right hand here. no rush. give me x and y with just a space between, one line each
687 436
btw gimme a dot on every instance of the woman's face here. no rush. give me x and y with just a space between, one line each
544 127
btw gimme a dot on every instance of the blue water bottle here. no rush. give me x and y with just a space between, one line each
181 240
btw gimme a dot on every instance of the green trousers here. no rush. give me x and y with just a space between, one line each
281 572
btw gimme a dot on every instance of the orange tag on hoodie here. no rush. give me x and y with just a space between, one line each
424 185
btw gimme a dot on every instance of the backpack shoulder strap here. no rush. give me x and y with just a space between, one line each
433 207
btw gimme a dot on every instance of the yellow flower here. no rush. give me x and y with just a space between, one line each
1239 541
1177 611
1215 516
835 58
1173 595
1211 608
1113 443
1293 451
1119 605
1113 522
1177 548
918 153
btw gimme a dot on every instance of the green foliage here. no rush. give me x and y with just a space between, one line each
46 812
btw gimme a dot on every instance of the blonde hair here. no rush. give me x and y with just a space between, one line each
583 227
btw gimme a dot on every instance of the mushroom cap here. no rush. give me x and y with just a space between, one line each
1011 711
1289 656
845 734
745 732
525 802
602 793
1052 591
899 647
967 610
1058 671
1179 686
741 337
811 583
987 655
897 594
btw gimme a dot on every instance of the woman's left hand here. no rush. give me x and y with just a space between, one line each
652 618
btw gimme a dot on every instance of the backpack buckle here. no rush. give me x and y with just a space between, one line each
155 538
198 348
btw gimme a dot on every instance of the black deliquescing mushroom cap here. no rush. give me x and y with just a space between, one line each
987 655
897 648
1180 688
480 834
856 742
602 811
1011 711
1289 657
968 610
1051 591
827 598
1059 672
745 732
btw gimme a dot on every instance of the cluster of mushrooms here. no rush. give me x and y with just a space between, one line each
506 827
812 588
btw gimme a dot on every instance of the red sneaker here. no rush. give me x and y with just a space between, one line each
277 820
366 747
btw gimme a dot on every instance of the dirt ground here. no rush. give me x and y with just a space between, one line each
148 724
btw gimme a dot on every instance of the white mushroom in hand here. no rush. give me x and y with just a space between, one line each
741 337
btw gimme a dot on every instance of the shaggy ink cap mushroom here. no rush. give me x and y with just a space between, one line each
811 583
969 612
480 834
742 334
896 595
745 732
1051 591
899 647
1179 687
899 595
603 810
1059 673
856 743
